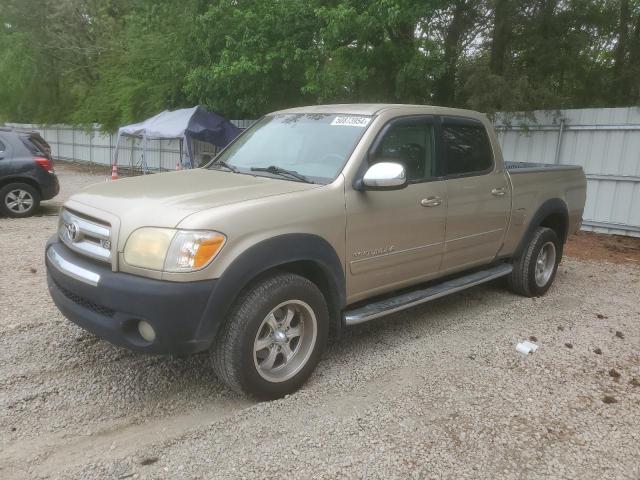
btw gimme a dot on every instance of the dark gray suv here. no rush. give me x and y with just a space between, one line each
26 173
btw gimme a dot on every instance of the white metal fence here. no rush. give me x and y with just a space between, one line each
605 142
96 147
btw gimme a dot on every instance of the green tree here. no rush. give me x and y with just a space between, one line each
142 68
251 56
50 51
119 61
372 51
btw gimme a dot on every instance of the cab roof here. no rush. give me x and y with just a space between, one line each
377 108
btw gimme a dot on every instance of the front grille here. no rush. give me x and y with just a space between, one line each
86 236
88 304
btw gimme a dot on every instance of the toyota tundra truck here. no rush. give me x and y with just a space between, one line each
312 220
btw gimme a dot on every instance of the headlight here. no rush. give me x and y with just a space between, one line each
192 250
172 250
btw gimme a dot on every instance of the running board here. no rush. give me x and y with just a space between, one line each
416 297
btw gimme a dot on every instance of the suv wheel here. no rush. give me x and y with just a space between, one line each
18 200
534 272
273 338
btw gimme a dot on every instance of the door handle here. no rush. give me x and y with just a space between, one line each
498 192
431 201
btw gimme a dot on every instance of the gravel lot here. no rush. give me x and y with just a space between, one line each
435 392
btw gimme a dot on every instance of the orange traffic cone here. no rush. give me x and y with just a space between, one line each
114 172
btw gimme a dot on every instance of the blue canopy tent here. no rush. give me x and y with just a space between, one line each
186 124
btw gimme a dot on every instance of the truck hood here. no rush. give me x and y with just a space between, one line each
164 199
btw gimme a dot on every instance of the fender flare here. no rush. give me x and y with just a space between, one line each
264 256
13 178
549 207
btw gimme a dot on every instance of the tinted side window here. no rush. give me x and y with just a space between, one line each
33 147
40 142
467 149
412 144
2 147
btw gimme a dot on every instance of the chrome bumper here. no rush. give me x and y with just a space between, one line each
75 271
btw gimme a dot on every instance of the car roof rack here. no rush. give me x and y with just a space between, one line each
17 130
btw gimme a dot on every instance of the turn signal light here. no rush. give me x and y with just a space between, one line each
208 248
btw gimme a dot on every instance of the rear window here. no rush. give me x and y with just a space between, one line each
41 142
34 146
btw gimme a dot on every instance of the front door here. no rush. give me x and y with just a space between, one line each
478 196
395 237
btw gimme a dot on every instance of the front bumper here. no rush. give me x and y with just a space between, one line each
110 304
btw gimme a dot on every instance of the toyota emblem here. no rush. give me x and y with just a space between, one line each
73 230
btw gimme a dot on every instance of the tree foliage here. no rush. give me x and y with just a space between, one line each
118 61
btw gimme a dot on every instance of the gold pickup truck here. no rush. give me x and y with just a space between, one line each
313 219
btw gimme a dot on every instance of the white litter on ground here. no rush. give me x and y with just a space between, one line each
527 347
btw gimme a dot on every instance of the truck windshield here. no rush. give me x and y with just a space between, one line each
313 145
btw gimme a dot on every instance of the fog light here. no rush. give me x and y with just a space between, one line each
146 331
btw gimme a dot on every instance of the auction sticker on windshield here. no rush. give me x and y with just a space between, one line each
351 121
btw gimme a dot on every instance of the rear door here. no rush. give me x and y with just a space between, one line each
395 237
478 195
5 155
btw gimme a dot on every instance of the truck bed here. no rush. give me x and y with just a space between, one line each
535 183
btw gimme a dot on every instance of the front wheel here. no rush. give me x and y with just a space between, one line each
534 272
273 337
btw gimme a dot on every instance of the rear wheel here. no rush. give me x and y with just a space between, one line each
273 337
19 200
534 272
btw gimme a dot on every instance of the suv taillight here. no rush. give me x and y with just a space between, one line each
44 163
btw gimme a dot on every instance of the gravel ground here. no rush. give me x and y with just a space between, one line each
435 392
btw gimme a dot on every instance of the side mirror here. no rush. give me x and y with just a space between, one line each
384 176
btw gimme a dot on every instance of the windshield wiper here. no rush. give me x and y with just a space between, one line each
224 164
282 172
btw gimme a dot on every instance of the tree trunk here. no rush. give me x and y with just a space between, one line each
402 38
634 63
445 87
502 28
620 74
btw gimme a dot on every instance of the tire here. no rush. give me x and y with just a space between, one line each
18 200
528 280
271 302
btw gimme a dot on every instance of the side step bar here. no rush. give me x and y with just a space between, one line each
416 297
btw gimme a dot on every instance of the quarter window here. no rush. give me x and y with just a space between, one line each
411 143
467 149
33 146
